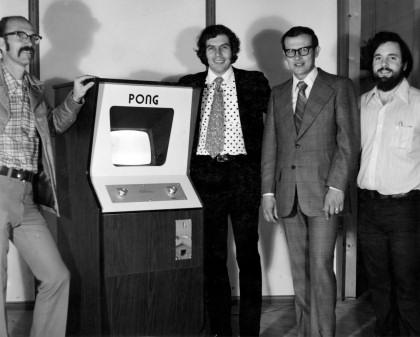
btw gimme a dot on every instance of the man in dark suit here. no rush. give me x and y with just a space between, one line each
225 169
310 148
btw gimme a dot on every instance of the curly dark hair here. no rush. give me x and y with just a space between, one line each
380 38
299 30
211 32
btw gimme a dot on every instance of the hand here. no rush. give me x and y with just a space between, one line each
80 89
269 208
333 202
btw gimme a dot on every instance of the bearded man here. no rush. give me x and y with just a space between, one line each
389 188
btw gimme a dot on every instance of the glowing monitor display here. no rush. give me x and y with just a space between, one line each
130 147
140 135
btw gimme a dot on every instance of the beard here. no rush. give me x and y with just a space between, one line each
388 83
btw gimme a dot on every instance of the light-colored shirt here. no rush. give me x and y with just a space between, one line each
234 140
309 80
390 161
19 143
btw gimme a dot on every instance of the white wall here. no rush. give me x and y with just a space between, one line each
13 7
126 39
155 40
260 24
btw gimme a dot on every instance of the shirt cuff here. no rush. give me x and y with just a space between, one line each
335 189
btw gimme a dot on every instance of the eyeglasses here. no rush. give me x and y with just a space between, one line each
302 51
23 37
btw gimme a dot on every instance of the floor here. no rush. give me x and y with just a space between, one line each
354 318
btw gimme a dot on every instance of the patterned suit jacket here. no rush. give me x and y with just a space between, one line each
325 151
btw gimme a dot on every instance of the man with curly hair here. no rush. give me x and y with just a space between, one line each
389 182
225 169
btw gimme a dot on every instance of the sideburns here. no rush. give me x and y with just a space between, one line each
6 43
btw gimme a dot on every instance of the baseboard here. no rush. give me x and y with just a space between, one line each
20 305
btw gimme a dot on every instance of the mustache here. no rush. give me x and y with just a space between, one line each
384 68
27 48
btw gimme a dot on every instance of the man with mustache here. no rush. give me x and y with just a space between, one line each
389 194
25 155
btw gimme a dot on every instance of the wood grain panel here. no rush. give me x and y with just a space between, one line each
78 234
145 241
152 304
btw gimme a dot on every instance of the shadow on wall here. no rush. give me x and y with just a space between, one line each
186 43
70 26
265 36
266 48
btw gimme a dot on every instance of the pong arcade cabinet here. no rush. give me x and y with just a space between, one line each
130 226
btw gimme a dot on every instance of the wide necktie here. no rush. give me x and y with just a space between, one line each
300 104
215 127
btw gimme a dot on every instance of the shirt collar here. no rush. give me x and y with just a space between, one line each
309 79
11 83
228 76
401 92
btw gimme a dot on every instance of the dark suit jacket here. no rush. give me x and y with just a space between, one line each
253 93
323 154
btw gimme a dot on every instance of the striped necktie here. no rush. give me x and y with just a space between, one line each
300 104
215 127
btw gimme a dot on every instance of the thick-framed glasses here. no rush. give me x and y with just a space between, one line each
23 37
302 51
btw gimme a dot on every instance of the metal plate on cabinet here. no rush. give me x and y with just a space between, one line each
145 192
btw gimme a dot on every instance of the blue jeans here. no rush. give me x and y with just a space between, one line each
389 232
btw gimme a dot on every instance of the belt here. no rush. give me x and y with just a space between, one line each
376 195
221 158
21 175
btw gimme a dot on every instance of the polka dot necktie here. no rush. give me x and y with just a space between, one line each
215 128
300 104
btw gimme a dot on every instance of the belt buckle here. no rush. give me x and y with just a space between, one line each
23 176
221 158
20 175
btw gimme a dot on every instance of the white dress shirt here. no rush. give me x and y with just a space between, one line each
234 140
390 141
309 80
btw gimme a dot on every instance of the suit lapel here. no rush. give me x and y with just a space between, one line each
4 98
4 101
286 108
239 90
199 80
35 96
319 96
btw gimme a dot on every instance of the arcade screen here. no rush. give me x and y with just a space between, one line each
140 135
